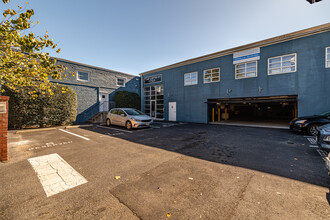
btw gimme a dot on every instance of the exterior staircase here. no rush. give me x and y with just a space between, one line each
100 117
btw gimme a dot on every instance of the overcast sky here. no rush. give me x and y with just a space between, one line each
134 36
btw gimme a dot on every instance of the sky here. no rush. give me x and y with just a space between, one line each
134 36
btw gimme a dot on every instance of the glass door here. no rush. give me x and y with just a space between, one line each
153 109
154 101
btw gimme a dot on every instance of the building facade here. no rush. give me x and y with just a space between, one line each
95 87
275 79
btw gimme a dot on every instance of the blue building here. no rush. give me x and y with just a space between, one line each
95 88
276 79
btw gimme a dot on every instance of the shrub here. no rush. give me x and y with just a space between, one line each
126 99
43 110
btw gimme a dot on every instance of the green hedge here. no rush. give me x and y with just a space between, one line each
44 110
126 99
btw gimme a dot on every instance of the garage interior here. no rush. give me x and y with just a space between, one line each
263 111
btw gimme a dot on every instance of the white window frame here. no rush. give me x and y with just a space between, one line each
122 79
211 75
246 77
184 79
82 80
295 66
327 57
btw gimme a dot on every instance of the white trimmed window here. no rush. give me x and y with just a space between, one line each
212 75
282 64
327 57
121 82
83 76
190 78
246 70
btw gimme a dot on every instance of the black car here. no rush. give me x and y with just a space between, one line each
310 124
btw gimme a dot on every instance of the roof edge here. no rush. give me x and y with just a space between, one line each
95 67
274 40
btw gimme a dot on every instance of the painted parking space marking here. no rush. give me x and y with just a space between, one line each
55 174
115 134
311 140
50 144
116 129
323 154
75 134
313 146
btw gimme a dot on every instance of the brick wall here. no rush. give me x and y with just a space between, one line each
3 127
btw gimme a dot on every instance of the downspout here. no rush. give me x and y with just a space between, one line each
141 92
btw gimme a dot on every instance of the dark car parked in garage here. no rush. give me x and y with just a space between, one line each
310 124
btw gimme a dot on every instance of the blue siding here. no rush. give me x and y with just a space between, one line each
311 81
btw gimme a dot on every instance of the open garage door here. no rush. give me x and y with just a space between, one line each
275 110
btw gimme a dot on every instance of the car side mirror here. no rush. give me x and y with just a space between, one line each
122 115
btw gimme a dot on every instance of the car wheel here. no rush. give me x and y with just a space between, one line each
108 122
128 125
312 129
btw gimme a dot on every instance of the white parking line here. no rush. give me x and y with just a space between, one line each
313 146
100 126
323 154
311 140
75 134
55 174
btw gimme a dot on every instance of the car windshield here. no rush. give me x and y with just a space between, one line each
325 113
133 112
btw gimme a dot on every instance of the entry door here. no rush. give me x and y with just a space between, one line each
104 102
153 109
172 111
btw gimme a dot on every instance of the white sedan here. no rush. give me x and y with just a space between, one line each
128 117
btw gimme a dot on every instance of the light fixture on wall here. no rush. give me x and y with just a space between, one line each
260 89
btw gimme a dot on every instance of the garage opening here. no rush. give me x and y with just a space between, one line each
272 111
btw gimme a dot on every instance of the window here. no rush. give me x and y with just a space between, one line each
190 78
153 79
246 70
154 101
121 112
282 64
114 111
82 76
327 57
212 75
121 82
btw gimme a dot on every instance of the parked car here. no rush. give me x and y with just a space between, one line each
128 117
323 137
323 141
310 124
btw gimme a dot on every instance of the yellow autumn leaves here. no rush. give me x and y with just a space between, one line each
22 62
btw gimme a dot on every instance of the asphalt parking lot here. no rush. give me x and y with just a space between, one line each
169 171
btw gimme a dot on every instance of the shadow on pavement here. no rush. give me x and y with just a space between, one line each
274 151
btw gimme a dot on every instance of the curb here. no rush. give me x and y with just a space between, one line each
78 126
252 126
34 130
48 129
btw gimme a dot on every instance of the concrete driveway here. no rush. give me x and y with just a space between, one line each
170 171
